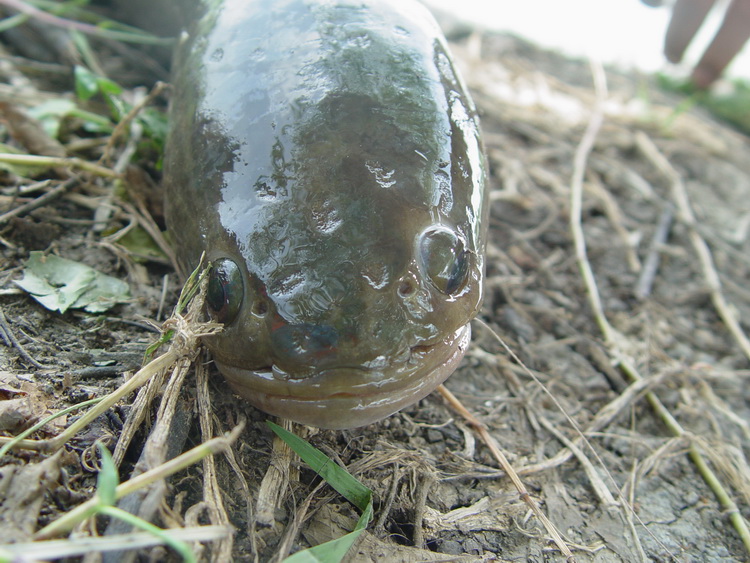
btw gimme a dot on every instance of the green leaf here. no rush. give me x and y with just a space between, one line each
341 480
108 479
335 550
60 284
193 284
179 546
109 87
51 113
155 126
140 244
93 122
86 82
165 338
335 475
89 84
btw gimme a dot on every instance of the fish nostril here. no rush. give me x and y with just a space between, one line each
260 308
405 288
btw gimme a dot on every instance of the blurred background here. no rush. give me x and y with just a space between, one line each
622 32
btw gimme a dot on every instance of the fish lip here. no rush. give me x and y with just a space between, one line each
365 395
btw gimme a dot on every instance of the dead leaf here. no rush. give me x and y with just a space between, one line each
21 494
60 284
16 413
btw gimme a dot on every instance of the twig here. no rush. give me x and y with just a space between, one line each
4 336
602 419
608 331
651 265
711 479
614 214
143 375
679 193
240 476
292 529
576 200
184 343
72 547
211 488
80 512
385 509
492 444
137 414
16 344
426 482
707 392
19 441
163 298
576 194
122 125
138 509
165 441
275 481
106 208
147 223
43 199
600 489
82 27
53 161
630 488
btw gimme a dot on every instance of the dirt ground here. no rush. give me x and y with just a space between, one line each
658 386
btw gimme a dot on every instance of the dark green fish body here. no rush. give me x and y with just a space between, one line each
326 157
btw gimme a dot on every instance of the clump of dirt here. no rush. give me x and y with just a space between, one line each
657 384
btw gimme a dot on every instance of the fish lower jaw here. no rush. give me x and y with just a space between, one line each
351 397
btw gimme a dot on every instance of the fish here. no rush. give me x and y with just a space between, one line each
327 158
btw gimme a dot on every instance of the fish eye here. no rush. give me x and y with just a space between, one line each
444 259
225 291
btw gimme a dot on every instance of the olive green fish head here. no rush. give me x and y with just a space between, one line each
342 205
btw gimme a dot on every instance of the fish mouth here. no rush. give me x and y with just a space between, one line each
351 396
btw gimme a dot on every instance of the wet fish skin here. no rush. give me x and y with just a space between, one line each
327 158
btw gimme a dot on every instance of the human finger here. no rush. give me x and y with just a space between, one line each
687 17
731 37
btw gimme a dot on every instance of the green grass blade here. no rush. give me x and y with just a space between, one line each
336 476
333 551
108 479
42 423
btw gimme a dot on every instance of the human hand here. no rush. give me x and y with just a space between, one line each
687 17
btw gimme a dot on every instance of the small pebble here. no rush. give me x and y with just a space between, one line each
451 547
434 436
472 546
